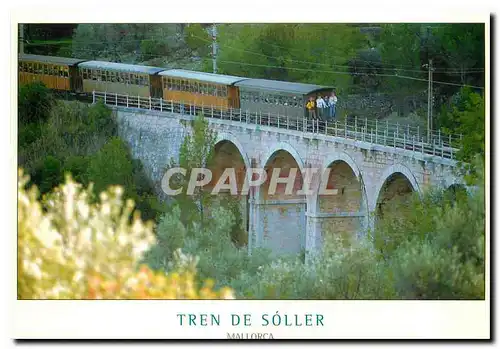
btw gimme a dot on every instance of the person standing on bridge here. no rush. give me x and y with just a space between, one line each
321 105
311 108
332 103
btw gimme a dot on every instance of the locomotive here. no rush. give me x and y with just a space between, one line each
81 76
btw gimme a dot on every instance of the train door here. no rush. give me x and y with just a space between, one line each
155 84
75 79
234 97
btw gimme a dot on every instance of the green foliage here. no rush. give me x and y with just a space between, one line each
80 139
435 249
309 53
29 133
219 258
48 174
112 166
197 39
35 101
465 115
196 151
423 270
77 166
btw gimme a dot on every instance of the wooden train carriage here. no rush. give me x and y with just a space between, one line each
57 73
199 88
127 79
271 96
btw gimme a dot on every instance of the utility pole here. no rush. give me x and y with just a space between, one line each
429 101
21 38
214 47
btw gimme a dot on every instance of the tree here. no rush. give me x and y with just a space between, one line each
308 53
465 116
69 248
35 102
112 165
196 152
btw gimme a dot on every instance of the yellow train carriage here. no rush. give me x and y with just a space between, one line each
199 88
127 79
57 73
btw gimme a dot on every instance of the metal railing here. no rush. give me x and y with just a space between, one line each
371 131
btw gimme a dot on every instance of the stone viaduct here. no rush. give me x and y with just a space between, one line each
366 175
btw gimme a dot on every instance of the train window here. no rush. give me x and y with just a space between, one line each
30 68
45 69
146 80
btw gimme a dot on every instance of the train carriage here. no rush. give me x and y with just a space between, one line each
271 96
199 88
127 79
57 73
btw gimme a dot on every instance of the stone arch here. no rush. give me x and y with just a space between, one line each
345 213
282 216
389 171
282 146
328 161
229 137
392 172
229 153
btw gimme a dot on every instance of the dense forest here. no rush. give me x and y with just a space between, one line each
192 247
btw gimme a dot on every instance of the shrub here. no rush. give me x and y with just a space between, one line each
77 166
35 101
69 248
112 165
48 173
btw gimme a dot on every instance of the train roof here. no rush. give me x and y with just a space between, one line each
49 59
130 68
280 86
202 76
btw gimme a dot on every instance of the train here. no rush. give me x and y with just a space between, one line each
80 76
